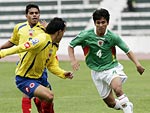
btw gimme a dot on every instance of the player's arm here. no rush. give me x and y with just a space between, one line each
133 58
27 46
12 50
77 41
7 44
74 63
53 67
13 40
131 55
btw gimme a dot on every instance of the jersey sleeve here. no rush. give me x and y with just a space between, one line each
14 38
27 46
78 40
53 67
122 45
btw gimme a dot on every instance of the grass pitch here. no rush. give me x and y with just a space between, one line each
78 95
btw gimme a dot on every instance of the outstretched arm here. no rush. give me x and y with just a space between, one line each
53 67
74 63
12 50
34 43
132 57
7 44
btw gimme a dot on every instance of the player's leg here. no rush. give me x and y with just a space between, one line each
104 90
26 104
38 104
26 101
43 107
126 105
37 101
33 88
112 102
44 94
46 97
46 107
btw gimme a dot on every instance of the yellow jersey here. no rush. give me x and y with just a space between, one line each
23 32
36 54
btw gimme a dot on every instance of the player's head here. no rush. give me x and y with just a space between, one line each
56 27
101 13
32 14
101 20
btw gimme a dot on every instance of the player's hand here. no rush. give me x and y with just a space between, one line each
44 23
75 65
140 69
69 75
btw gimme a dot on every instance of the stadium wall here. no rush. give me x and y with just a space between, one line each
139 45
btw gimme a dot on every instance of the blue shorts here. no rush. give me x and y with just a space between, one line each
28 85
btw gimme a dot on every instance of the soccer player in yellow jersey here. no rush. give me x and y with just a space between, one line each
36 55
23 32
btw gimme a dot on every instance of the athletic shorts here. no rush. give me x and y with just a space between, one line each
28 85
103 79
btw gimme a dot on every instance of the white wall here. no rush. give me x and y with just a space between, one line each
139 45
114 7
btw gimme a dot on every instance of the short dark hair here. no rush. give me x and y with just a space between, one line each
55 25
99 13
29 6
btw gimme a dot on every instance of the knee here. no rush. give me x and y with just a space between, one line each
118 91
49 97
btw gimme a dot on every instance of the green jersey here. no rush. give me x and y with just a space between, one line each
100 52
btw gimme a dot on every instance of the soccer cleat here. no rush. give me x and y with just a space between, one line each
127 107
131 105
117 106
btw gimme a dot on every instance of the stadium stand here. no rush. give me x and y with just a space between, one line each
132 26
76 12
136 23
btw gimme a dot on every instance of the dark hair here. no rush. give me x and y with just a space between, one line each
29 6
99 13
55 25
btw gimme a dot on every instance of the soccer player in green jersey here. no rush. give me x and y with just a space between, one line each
25 31
35 57
99 49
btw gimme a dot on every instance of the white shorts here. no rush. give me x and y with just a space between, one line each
103 79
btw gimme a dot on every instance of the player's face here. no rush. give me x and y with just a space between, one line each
101 26
59 36
33 16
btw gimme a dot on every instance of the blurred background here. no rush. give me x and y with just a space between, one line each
128 18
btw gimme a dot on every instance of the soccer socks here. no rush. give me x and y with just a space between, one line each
42 107
47 107
26 105
117 106
127 106
38 104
